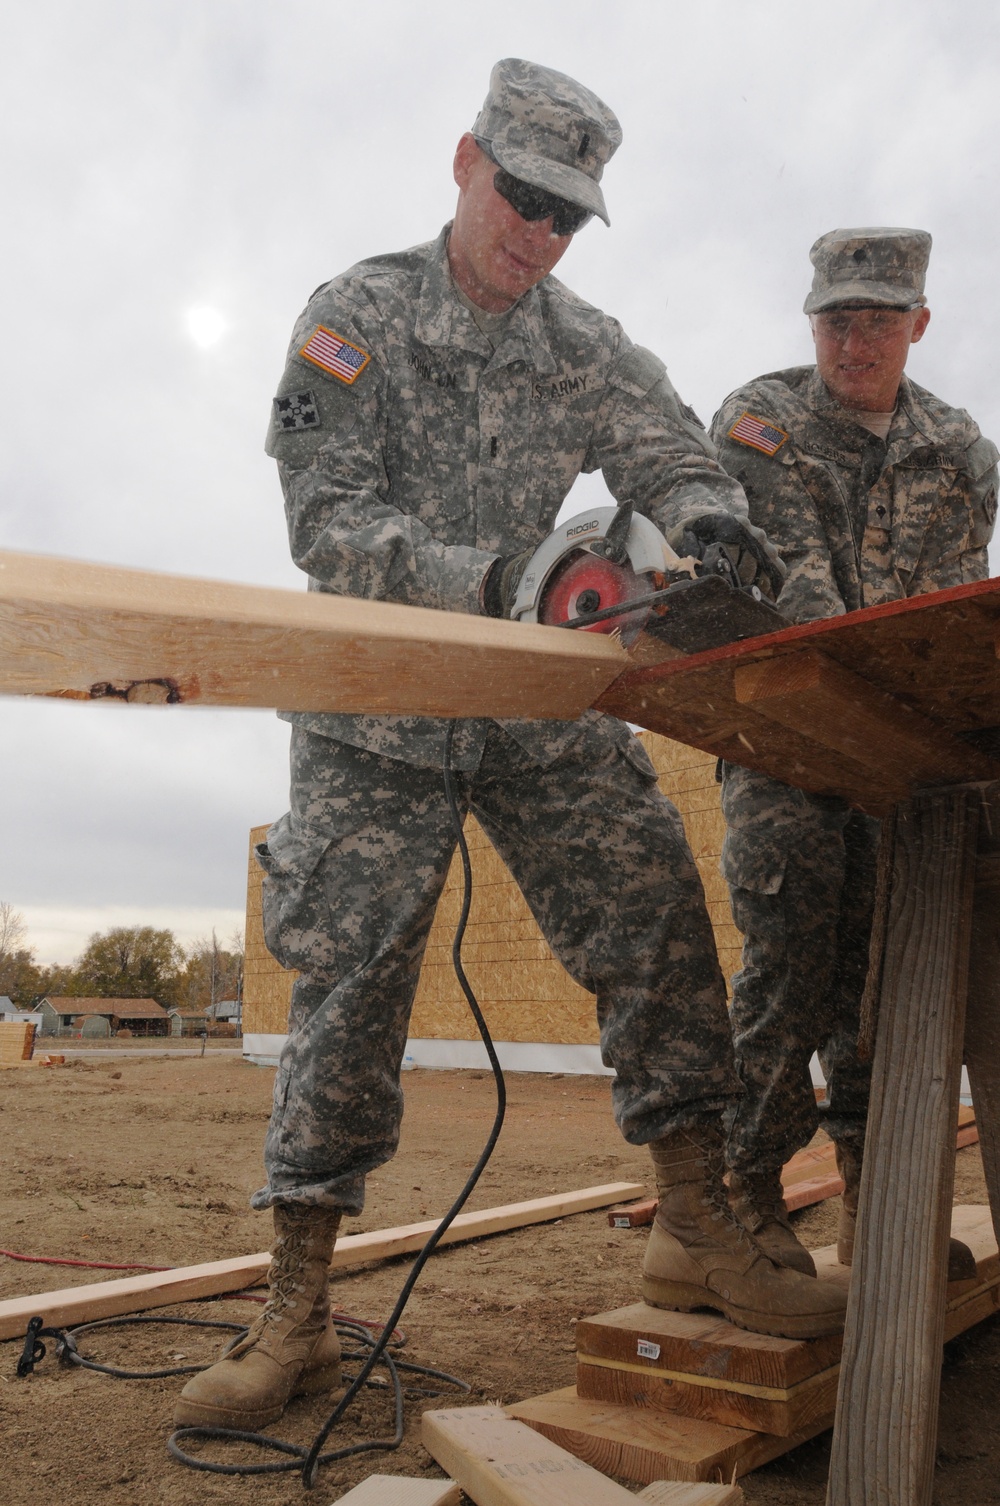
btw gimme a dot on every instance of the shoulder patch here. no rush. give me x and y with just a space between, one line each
335 355
296 410
758 434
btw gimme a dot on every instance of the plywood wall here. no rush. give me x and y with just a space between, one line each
526 995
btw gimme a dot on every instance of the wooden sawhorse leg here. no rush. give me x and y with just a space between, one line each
982 1017
885 1435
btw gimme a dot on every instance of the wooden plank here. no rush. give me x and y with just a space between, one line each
840 709
402 1490
500 1462
933 653
639 1444
678 1493
87 632
129 1294
885 1438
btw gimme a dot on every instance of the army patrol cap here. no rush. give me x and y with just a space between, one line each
880 264
549 131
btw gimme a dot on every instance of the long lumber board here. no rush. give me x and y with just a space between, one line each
402 1490
929 668
98 632
129 1294
500 1462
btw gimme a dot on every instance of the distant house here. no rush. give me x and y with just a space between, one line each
67 1016
226 1010
9 1011
188 1021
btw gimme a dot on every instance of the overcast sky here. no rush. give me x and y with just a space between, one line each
178 175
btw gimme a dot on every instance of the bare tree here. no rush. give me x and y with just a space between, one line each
12 930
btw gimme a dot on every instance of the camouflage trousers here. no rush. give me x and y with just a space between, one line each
801 875
353 874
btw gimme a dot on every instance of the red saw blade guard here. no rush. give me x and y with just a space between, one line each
587 583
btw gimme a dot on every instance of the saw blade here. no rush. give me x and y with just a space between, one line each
586 583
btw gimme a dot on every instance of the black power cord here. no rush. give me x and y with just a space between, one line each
378 1349
314 1457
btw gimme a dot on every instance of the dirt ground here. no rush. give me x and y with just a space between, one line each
146 1159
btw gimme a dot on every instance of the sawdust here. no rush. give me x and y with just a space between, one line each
152 1160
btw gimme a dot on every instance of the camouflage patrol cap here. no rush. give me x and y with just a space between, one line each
880 264
550 131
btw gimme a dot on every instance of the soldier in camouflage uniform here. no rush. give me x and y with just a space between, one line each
436 408
873 489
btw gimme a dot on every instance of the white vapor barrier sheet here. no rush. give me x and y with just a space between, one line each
515 1056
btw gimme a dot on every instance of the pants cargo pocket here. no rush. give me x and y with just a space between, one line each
295 906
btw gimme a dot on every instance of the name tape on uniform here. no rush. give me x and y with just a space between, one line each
332 353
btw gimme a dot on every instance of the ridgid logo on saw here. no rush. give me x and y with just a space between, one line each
573 533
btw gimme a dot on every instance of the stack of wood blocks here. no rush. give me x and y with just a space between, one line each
688 1396
17 1042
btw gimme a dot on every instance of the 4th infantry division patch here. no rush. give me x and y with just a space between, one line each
334 354
758 434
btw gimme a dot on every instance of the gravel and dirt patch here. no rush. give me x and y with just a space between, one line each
151 1159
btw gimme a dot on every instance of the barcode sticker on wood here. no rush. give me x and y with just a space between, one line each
647 1350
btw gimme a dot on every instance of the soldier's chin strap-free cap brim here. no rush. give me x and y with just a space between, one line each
863 295
553 177
550 131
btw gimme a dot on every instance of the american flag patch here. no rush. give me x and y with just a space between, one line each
758 434
334 354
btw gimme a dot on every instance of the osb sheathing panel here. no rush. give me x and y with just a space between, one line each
526 995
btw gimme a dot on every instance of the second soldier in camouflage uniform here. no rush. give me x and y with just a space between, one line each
436 408
873 489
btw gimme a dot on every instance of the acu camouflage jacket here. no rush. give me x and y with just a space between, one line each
859 521
415 454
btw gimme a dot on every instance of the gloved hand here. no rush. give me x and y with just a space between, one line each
757 561
500 583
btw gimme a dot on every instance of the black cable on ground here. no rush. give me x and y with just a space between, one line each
379 1349
314 1457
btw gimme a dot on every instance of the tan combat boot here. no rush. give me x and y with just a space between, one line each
700 1255
292 1348
961 1261
759 1204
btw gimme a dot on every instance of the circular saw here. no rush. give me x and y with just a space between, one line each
611 571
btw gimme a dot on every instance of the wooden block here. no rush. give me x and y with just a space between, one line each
933 653
87 632
633 1215
402 1490
813 694
705 1367
639 1444
701 1366
811 1190
500 1462
130 1294
682 1493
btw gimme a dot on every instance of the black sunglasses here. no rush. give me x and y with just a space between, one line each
537 204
